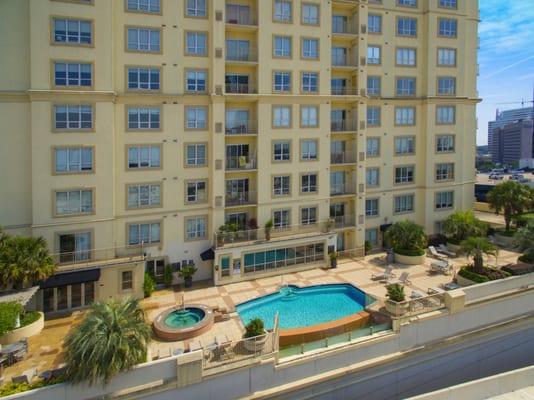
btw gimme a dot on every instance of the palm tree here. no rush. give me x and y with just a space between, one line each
512 198
406 235
477 247
462 224
112 338
24 260
524 239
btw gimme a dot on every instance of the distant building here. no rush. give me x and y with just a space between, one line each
510 136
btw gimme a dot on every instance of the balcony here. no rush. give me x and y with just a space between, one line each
344 28
343 61
240 163
343 91
342 157
241 18
245 127
240 199
82 259
344 221
343 125
240 88
342 189
241 56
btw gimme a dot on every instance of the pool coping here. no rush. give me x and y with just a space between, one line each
164 332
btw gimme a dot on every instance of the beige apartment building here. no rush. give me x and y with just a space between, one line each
133 129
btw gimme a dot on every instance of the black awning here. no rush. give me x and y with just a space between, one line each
70 278
208 255
384 227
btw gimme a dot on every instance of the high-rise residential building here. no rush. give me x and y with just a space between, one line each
172 131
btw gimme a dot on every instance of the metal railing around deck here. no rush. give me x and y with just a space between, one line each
240 88
241 127
241 19
344 221
341 189
345 27
83 258
240 163
240 198
343 125
342 157
241 56
344 60
417 306
343 91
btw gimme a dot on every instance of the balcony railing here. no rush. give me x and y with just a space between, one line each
241 19
344 221
343 91
241 56
241 127
84 258
240 88
342 157
344 60
240 163
345 28
340 189
240 198
343 125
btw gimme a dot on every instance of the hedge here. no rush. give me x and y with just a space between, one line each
472 276
8 316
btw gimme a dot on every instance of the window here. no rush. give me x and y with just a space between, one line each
281 116
144 157
404 145
309 82
143 118
196 43
73 117
127 280
406 56
308 183
74 247
310 48
447 27
237 121
73 74
404 174
308 215
444 143
281 185
281 151
373 146
453 4
282 46
141 196
281 257
405 87
371 207
196 191
144 39
196 81
196 117
195 8
340 24
195 154
371 236
337 183
404 116
283 11
310 14
406 26
143 78
374 23
74 202
372 177
238 50
374 85
281 219
73 159
446 57
446 85
373 55
150 6
404 204
144 233
308 150
373 115
72 31
444 172
445 115
407 3
309 116
196 228
444 200
282 81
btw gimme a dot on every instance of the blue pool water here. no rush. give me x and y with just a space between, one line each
300 307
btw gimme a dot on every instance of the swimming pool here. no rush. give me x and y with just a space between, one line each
304 307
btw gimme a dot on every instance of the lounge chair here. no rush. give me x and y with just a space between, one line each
26 376
441 266
443 249
434 253
384 276
403 279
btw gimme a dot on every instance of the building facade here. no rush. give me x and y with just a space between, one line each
138 128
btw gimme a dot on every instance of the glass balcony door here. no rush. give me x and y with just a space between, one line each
237 83
237 50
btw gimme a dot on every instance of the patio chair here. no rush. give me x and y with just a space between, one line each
443 249
384 276
441 266
26 376
434 253
403 280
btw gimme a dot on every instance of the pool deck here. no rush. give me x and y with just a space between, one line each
45 349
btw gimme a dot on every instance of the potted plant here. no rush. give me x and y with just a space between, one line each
333 259
395 304
149 285
268 227
408 241
186 273
257 335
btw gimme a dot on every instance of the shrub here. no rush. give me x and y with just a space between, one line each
518 269
149 285
462 224
395 292
254 328
167 276
8 316
13 388
406 235
368 247
486 275
472 276
29 317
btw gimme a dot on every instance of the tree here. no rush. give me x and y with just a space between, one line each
512 197
462 224
477 247
406 235
112 338
24 260
524 239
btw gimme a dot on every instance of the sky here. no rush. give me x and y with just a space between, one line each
506 58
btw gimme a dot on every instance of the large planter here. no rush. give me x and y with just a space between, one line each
255 344
396 309
409 260
26 331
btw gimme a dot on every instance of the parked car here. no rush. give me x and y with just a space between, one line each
496 176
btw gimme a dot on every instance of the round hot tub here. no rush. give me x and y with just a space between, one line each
180 323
